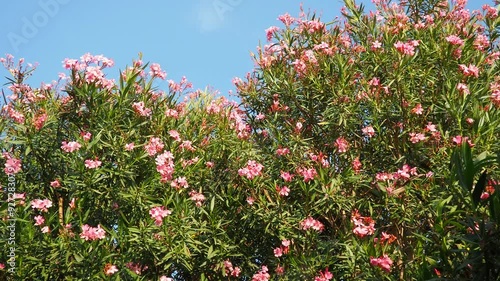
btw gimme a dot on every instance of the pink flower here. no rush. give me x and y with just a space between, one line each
418 109
92 233
368 131
55 184
262 275
252 170
158 213
405 48
165 278
356 165
39 220
41 204
470 70
309 222
286 176
278 252
110 269
39 121
463 89
363 225
136 268
416 137
270 32
129 146
72 203
286 19
250 200
155 71
282 151
458 140
376 45
341 144
140 109
230 270
455 40
197 197
92 164
12 166
175 135
383 262
70 146
154 146
308 174
86 135
283 191
324 276
45 229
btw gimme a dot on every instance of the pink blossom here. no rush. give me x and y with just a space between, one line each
158 213
270 32
230 270
416 137
252 170
154 146
278 252
455 40
282 151
12 166
92 164
187 145
129 146
363 225
356 165
140 109
383 262
92 233
405 48
86 135
175 135
136 267
376 45
72 203
165 165
470 70
324 276
39 220
308 174
286 19
368 131
41 204
156 71
197 197
55 184
341 144
250 200
39 121
283 191
165 278
262 275
418 109
110 269
286 176
458 140
70 146
45 229
309 222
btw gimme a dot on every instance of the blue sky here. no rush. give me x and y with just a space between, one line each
208 41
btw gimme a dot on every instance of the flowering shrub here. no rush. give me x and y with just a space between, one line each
363 149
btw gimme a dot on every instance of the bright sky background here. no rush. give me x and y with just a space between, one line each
208 41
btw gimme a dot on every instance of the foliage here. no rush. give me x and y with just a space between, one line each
363 149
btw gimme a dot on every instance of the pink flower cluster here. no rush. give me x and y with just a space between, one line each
308 174
92 233
262 275
283 249
12 165
363 226
140 109
470 70
136 267
309 222
110 269
252 170
92 164
156 71
41 204
158 213
383 262
324 276
341 144
154 146
70 146
407 48
230 270
197 197
165 166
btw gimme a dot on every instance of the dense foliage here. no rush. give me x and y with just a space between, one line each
364 148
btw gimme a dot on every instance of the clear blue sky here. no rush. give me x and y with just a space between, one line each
208 41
